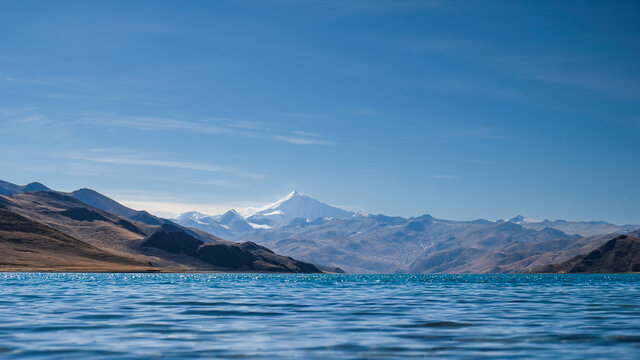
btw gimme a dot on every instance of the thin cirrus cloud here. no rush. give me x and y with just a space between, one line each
302 140
171 209
118 157
169 204
66 87
23 81
146 123
112 157
217 126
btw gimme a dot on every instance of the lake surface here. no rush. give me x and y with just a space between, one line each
93 316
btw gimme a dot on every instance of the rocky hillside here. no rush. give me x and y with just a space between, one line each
618 255
131 240
26 245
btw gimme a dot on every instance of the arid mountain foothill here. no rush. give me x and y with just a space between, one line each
53 231
46 230
618 255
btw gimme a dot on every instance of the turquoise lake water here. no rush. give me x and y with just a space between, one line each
184 316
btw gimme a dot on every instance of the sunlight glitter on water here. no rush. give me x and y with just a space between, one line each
79 316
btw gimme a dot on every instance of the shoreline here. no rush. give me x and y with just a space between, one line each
148 271
171 271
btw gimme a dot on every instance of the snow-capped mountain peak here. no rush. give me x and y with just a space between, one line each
276 204
225 225
296 205
520 219
192 216
229 216
293 208
250 211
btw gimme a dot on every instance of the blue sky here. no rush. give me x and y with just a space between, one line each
458 109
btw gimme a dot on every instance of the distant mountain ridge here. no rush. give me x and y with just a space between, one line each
298 209
54 231
102 202
583 228
305 228
317 233
293 206
7 188
620 254
87 196
27 245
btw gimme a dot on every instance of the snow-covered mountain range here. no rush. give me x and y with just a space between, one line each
293 208
305 228
309 230
296 206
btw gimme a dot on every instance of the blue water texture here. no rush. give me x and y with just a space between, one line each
260 316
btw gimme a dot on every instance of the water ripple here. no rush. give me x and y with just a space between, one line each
184 316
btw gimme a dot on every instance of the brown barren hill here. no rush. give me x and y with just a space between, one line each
618 255
246 257
167 247
27 245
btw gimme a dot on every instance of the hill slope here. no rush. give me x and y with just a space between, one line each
618 255
105 203
310 230
240 257
28 245
124 237
7 188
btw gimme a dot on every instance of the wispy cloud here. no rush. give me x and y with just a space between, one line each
141 161
31 119
217 126
147 123
302 140
67 87
297 115
211 126
248 125
32 124
23 81
306 133
127 158
171 209
168 204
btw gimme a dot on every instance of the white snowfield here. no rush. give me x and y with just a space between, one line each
293 206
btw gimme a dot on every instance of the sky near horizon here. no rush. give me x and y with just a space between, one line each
458 109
